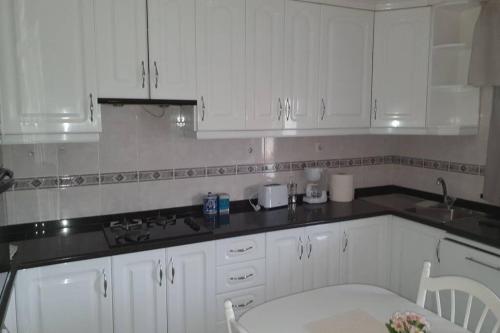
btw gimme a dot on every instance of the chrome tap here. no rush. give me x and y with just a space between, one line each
447 200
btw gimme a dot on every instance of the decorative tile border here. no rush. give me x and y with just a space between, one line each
243 169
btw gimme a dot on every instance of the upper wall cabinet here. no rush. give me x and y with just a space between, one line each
129 67
220 49
122 48
345 67
302 37
48 85
400 67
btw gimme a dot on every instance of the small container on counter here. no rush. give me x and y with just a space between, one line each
224 203
210 204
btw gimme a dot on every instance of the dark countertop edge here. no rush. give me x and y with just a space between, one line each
7 294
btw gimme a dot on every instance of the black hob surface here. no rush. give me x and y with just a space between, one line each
127 231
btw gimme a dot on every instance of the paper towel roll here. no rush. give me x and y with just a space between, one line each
341 187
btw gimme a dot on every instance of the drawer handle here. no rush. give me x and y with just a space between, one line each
242 306
241 278
241 250
496 268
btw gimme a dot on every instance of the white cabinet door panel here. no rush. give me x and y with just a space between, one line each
72 297
10 320
346 67
285 251
400 67
265 20
122 44
220 49
242 275
365 251
302 39
172 44
191 288
239 249
48 82
140 292
321 260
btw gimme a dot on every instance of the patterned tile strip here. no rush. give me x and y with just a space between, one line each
243 169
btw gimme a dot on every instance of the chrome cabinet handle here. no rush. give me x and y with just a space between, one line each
161 272
323 108
288 109
172 270
479 262
310 247
241 278
157 75
301 246
143 75
346 242
202 109
244 305
280 108
375 108
241 250
91 108
105 283
438 255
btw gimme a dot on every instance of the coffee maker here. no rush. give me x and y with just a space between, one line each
314 193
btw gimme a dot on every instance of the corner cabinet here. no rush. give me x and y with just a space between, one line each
48 81
400 68
220 50
72 297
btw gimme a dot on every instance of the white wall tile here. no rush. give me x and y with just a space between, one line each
80 201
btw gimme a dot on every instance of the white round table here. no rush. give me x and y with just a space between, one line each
294 313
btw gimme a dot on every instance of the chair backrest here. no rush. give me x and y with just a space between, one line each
232 325
472 288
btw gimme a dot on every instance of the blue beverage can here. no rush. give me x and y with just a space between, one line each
224 203
210 204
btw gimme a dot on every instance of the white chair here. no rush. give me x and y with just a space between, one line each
472 288
232 325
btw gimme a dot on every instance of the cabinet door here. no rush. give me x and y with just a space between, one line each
10 320
220 49
400 67
285 251
191 288
365 252
265 29
412 245
346 67
72 297
302 27
48 82
321 259
122 41
140 292
172 43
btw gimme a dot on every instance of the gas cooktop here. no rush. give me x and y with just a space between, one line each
127 231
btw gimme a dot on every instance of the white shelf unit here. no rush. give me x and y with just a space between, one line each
452 104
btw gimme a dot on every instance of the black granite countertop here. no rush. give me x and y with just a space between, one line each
87 241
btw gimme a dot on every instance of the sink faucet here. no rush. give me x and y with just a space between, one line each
447 200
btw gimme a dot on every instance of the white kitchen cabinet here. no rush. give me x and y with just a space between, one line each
239 249
122 43
241 275
191 288
302 44
321 257
400 68
71 297
10 320
345 67
365 251
412 244
265 31
172 53
48 84
140 292
220 50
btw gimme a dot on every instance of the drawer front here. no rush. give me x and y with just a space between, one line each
242 300
242 275
238 249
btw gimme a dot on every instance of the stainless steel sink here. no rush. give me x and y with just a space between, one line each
440 212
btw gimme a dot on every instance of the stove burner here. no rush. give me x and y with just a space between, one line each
126 224
162 221
134 236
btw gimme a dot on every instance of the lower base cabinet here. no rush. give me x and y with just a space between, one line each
10 320
72 297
